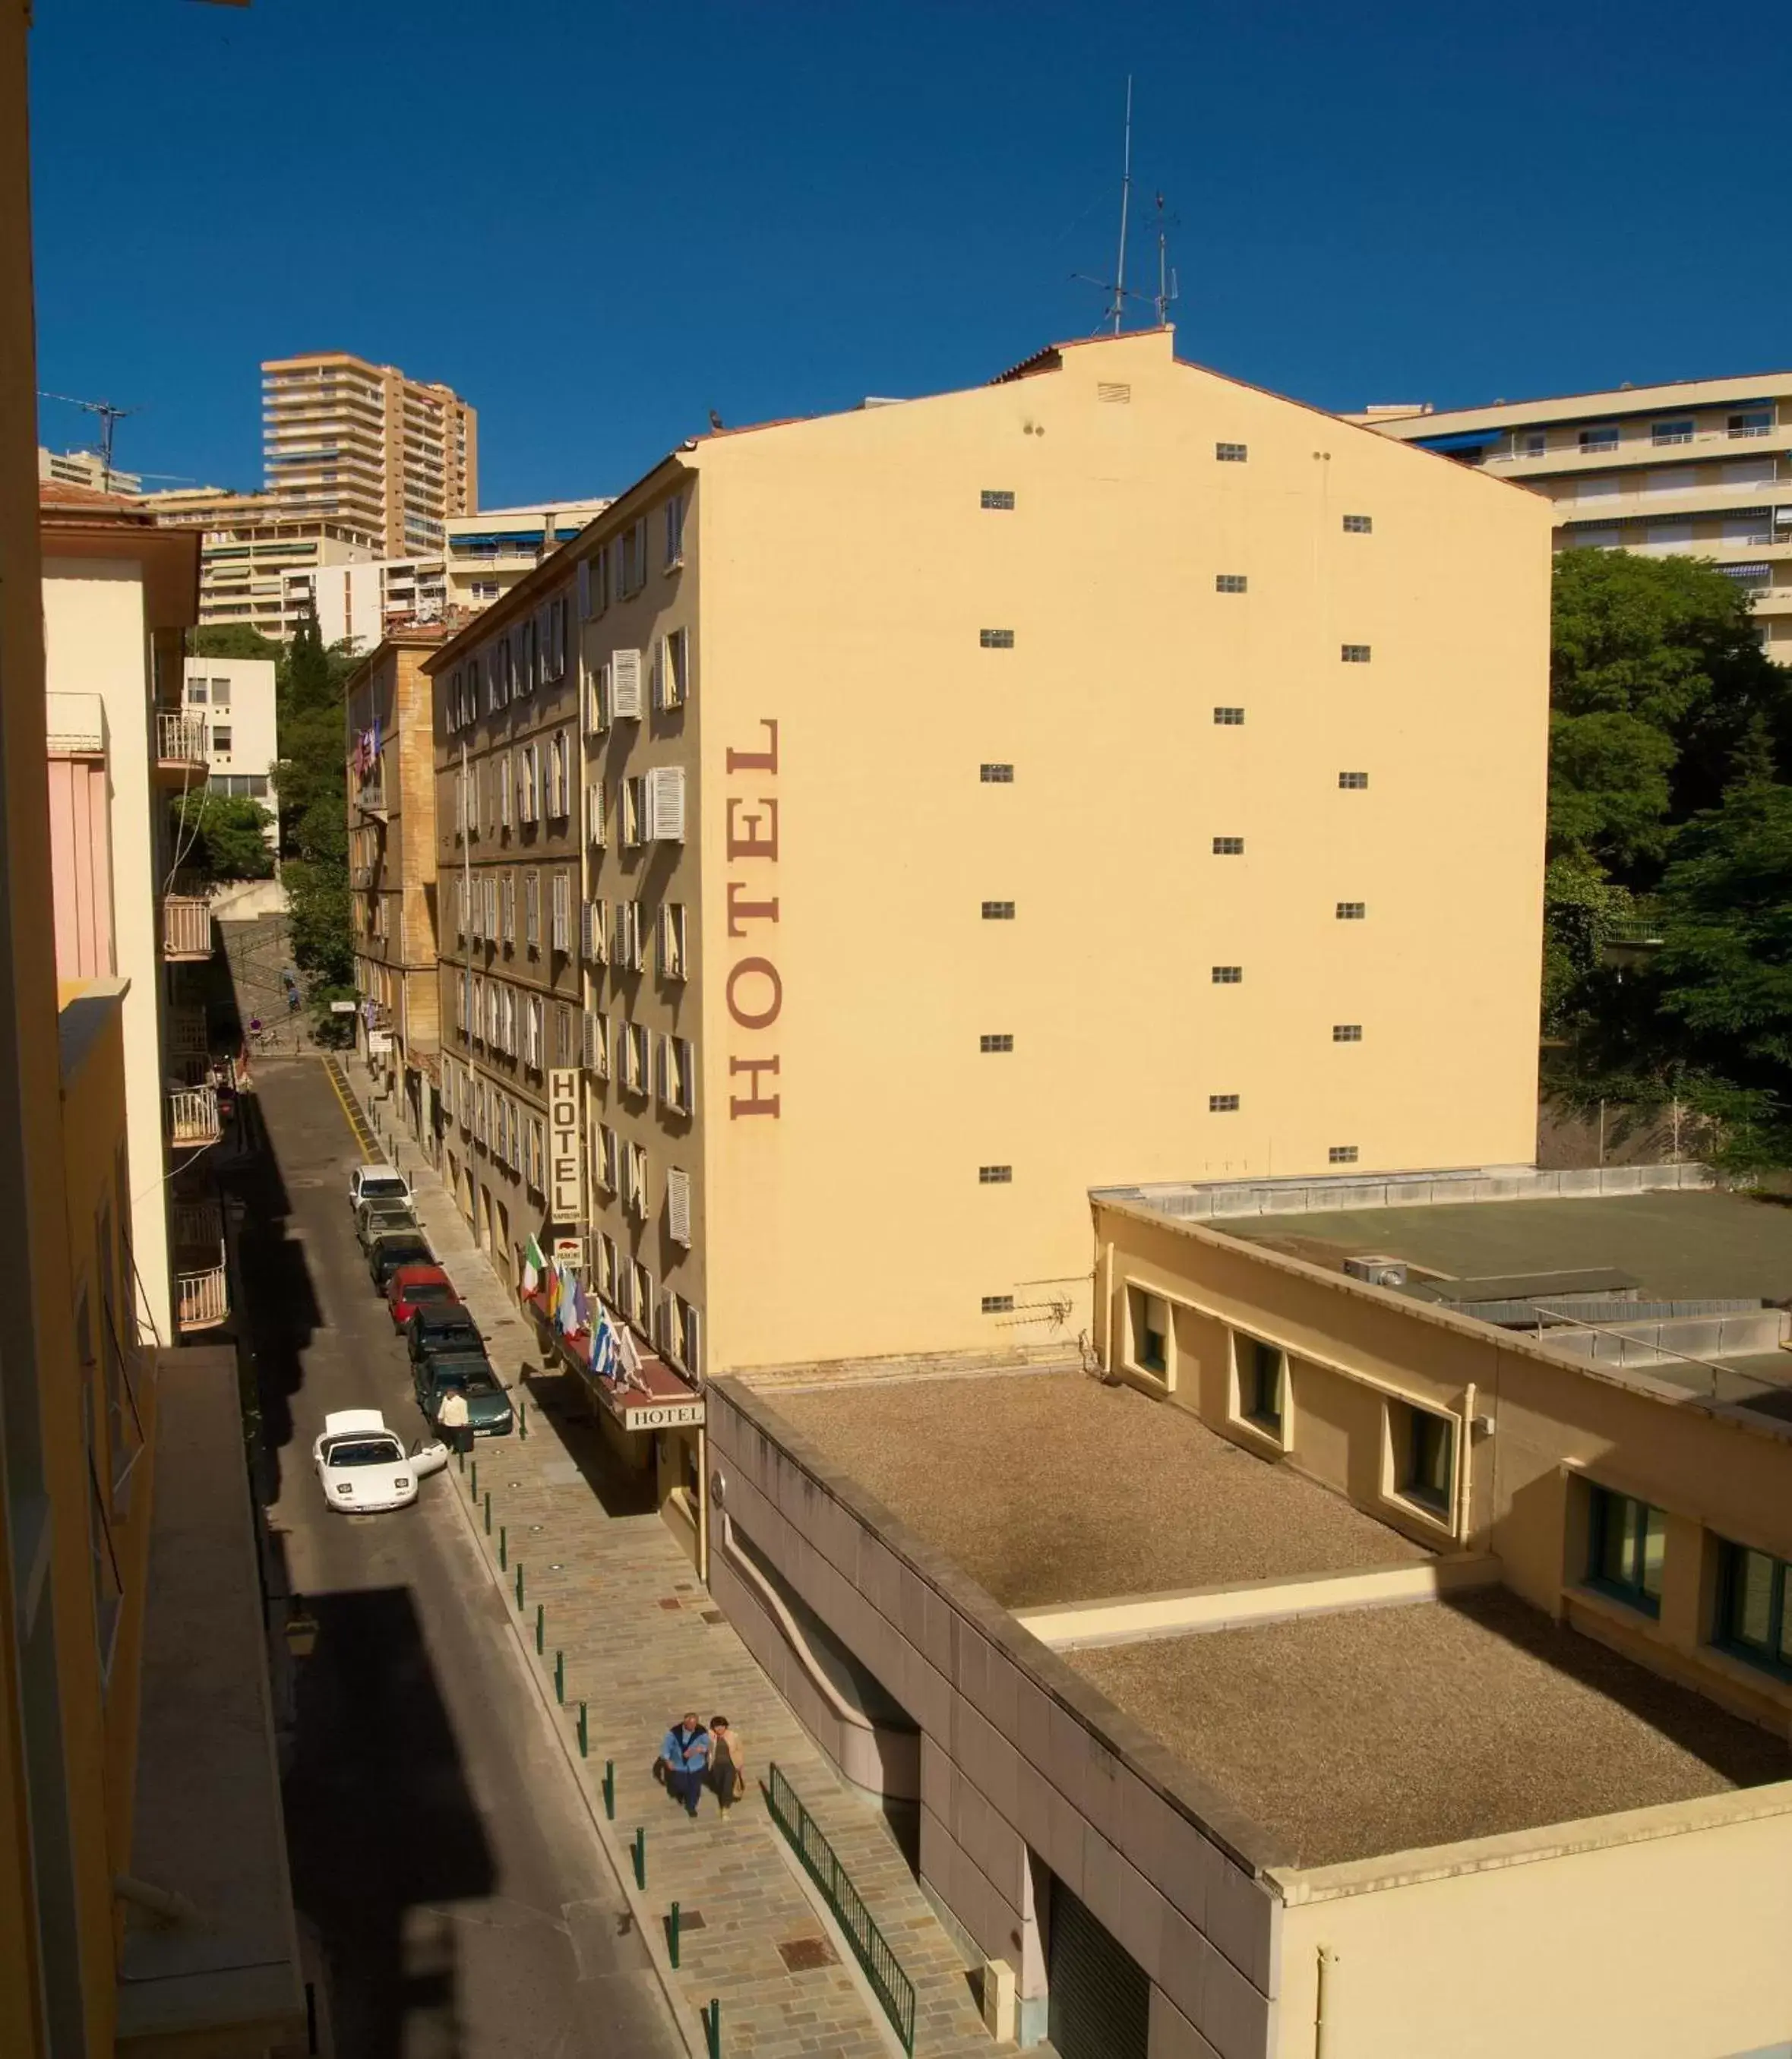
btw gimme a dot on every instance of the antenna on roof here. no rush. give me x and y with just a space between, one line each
1166 271
1116 289
1119 308
109 418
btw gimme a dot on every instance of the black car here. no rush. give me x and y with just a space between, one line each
472 1374
440 1328
394 1248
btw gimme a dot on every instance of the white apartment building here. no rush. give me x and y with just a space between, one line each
487 553
1699 467
86 468
357 601
248 550
234 698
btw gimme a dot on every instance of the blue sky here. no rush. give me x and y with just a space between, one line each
598 221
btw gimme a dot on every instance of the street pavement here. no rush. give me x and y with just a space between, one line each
441 1852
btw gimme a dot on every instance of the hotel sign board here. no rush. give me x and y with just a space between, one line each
565 1185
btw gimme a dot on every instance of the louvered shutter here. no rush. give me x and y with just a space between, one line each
693 1341
661 1057
678 1206
594 824
585 950
588 1051
659 671
598 713
625 685
584 589
666 804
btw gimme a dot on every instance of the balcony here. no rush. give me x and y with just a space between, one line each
186 928
183 751
193 1116
188 1036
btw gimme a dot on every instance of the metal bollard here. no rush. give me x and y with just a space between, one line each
519 1587
609 1774
640 1855
584 1738
475 1479
712 2027
488 1516
504 1548
540 1628
559 1677
523 1420
672 1937
461 1457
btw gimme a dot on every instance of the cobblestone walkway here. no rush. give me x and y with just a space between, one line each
642 1641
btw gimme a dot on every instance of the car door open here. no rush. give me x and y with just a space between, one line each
428 1459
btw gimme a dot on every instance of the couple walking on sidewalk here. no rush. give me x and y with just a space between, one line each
690 1755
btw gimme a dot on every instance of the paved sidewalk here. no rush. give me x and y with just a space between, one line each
643 1641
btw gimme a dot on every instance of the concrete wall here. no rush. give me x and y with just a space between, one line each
1019 1756
1357 1355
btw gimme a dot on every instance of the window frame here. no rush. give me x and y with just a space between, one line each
1606 1507
1248 1368
1412 1487
1161 1372
1726 1637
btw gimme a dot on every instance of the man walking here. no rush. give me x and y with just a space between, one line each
452 1420
686 1753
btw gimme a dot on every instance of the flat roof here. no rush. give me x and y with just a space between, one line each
1375 1731
1052 1486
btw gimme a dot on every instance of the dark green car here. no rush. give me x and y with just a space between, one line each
488 1409
394 1248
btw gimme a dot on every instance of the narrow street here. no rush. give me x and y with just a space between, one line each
438 1845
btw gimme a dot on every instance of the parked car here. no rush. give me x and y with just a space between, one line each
439 1328
363 1468
374 1218
394 1248
410 1288
377 1182
488 1409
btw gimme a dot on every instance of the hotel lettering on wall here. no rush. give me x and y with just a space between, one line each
755 991
566 1200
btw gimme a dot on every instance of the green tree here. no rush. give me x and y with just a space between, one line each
233 639
223 835
313 804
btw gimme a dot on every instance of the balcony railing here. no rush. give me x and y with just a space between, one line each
193 1116
202 1299
187 1034
198 1227
180 740
186 927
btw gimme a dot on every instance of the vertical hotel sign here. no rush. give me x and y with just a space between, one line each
565 1192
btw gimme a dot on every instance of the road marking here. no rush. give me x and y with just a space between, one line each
333 1072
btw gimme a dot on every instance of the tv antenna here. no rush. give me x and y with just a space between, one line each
109 418
1116 289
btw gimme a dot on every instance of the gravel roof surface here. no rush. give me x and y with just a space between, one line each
1385 1730
1051 1488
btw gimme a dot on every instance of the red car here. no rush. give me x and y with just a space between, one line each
414 1287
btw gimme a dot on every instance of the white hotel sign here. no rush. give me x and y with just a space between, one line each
565 1163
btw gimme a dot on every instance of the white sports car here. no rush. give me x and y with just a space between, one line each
365 1468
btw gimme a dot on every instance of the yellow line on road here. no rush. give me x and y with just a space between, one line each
332 1072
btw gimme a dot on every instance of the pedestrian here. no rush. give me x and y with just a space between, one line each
727 1763
685 1754
451 1419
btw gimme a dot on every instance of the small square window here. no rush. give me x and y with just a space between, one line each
998 911
1150 1319
996 639
1353 782
1228 975
1356 654
1229 717
1346 1032
1262 1369
997 1304
995 1175
1352 911
1342 1154
1222 1104
1428 1471
995 497
1232 453
996 775
1358 525
1002 1041
220 741
1229 846
1229 582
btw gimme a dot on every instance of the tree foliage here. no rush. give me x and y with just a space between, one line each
223 835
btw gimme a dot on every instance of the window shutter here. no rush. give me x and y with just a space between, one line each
594 814
693 1342
666 804
678 1206
584 589
687 1075
661 1059
597 698
625 685
585 950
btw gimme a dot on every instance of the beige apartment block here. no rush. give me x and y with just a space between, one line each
258 566
361 444
488 552
1698 467
86 468
391 870
1074 777
356 603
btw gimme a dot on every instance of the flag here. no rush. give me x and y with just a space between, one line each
551 1291
570 1324
629 1358
532 1263
603 1348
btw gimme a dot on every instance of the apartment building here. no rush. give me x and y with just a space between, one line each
235 698
346 441
258 566
387 705
912 738
357 604
509 874
1696 467
86 468
487 553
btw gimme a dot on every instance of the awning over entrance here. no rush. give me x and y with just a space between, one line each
656 1396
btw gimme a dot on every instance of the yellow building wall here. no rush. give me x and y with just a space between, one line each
848 568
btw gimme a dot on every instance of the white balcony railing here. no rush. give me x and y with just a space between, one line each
202 1299
186 927
193 1116
181 739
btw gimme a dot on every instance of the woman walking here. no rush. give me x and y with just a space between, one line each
728 1765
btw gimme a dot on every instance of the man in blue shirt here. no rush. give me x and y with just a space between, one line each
686 1752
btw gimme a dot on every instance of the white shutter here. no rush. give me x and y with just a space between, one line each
625 685
693 1342
584 589
678 1206
659 671
594 814
585 950
666 804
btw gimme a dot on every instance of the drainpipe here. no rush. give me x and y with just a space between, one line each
1464 1485
163 1903
1104 1274
1327 1959
702 1504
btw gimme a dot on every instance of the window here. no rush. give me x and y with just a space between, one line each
1229 717
1355 654
1229 582
626 952
562 932
1231 453
1342 1154
671 940
1346 1032
1000 1041
1222 1104
998 911
997 1304
678 1219
1229 846
597 1045
995 1175
1358 525
637 1055
674 532
996 639
559 780
1352 911
1532 443
1427 1474
1603 438
528 783
531 910
510 911
594 825
220 741
1753 422
1262 1368
606 1158
1678 432
672 670
998 498
1752 1617
678 1074
537 1034
195 692
1625 1541
563 1034
1353 782
634 811
220 693
1150 1318
503 790
996 775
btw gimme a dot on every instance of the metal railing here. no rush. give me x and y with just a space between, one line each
193 1117
891 1985
181 739
198 1226
186 927
202 1299
188 1033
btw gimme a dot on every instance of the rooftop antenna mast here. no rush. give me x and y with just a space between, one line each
109 418
1118 310
1166 273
